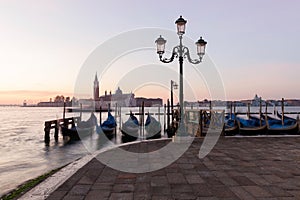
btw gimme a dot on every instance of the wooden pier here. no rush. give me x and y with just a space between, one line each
56 124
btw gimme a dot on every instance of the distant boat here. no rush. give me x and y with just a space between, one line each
108 126
276 127
251 126
130 128
153 128
83 129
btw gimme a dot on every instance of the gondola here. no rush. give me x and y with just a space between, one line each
251 126
153 128
230 125
81 130
130 128
288 126
284 117
108 126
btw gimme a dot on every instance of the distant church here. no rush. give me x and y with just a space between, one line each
121 99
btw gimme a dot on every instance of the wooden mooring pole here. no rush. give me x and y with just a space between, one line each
200 123
168 114
100 115
47 133
282 111
80 116
248 112
260 108
165 108
230 109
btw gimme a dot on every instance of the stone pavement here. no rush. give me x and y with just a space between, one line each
237 168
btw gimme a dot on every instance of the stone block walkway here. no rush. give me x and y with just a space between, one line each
237 168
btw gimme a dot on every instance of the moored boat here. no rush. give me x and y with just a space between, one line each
108 126
230 125
287 126
251 126
153 128
130 128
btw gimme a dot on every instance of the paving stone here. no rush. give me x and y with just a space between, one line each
295 193
207 198
222 192
236 168
161 190
57 195
142 187
277 191
121 196
85 180
273 178
162 197
184 196
80 190
159 181
257 191
102 186
71 197
193 179
176 178
98 194
241 193
141 196
202 190
123 188
243 180
228 181
259 180
182 188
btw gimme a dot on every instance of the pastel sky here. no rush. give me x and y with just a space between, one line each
253 44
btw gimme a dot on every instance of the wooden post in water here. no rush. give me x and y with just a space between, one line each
165 107
100 115
159 114
200 122
143 112
248 112
210 109
64 112
116 112
56 131
230 109
234 110
80 112
168 114
120 117
282 111
260 107
47 133
266 115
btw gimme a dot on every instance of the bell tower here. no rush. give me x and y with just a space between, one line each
96 88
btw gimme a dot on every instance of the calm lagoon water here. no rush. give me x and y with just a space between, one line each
23 153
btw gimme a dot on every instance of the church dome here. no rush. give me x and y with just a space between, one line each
119 91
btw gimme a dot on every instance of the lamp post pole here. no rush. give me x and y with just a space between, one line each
181 52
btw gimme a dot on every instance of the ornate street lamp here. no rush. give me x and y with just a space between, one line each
181 52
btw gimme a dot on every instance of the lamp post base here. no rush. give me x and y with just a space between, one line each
181 131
